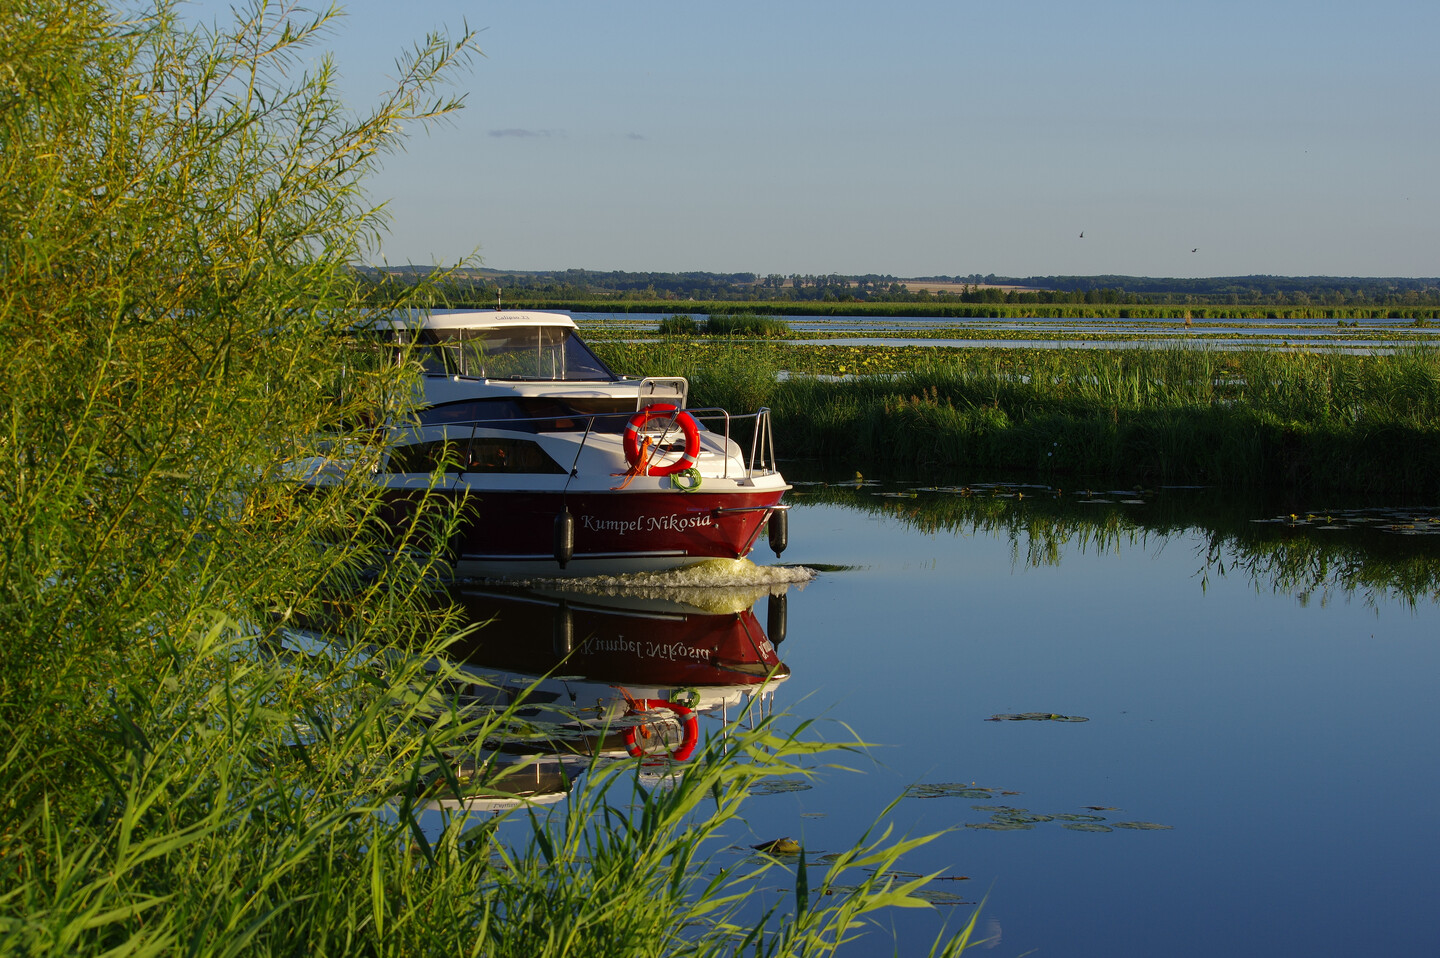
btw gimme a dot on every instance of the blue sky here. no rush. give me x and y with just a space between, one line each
918 138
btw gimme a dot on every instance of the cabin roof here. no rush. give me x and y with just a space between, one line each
475 319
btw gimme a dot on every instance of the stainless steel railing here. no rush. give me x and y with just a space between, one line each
758 460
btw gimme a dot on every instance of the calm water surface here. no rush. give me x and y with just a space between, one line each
1288 742
1262 686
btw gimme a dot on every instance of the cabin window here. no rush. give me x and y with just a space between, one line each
445 455
535 413
510 455
481 454
529 353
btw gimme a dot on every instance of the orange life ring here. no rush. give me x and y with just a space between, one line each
687 718
638 422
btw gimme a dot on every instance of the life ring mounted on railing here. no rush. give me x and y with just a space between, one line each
689 721
641 459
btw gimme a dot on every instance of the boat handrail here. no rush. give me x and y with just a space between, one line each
761 458
762 440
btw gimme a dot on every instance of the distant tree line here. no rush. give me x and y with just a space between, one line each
474 287
1234 290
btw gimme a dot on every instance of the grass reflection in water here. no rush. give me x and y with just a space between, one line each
1369 553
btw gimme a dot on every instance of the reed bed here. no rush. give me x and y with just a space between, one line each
1257 419
745 325
1311 550
1420 315
251 799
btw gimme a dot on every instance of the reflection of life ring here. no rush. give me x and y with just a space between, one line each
687 718
637 423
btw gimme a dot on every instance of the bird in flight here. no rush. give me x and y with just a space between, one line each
1082 234
1195 250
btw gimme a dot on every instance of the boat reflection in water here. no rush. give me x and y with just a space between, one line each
611 677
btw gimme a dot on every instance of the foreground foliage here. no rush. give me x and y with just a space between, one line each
179 213
257 800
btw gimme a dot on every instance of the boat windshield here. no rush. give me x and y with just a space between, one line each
513 352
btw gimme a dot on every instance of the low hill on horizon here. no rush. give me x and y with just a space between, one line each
483 283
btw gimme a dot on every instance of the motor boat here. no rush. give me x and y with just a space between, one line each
559 466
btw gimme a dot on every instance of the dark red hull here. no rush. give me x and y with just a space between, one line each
514 533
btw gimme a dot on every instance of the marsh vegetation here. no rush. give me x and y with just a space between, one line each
725 324
1241 420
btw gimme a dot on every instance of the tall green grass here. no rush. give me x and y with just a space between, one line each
1252 419
258 802
678 325
746 324
725 324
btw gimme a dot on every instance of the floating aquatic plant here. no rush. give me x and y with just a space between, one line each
948 790
1036 717
779 786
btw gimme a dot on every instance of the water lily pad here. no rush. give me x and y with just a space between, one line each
779 786
948 790
1000 827
1396 521
779 846
1143 826
1035 717
1087 827
1006 815
1080 818
939 897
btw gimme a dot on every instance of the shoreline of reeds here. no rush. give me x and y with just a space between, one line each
1421 315
1309 546
1260 420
